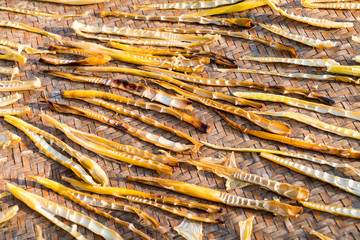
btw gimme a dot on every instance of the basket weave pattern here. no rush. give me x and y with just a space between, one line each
21 160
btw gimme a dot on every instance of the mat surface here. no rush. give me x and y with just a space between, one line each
21 160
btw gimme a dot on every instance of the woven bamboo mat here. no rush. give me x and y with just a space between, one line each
25 159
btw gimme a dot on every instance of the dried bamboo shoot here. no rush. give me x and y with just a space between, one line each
135 88
270 125
342 211
109 153
311 21
70 193
217 58
276 207
38 232
6 86
14 56
319 235
168 160
17 46
96 172
345 132
169 209
233 83
296 61
288 154
14 111
10 99
12 72
104 203
138 59
155 75
143 41
120 192
211 95
50 209
324 77
203 127
245 228
75 2
346 153
8 214
190 230
186 5
36 135
232 22
316 107
8 139
21 26
298 38
149 121
99 60
114 122
347 185
335 5
238 7
347 70
272 44
139 33
41 13
284 189
91 58
4 194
